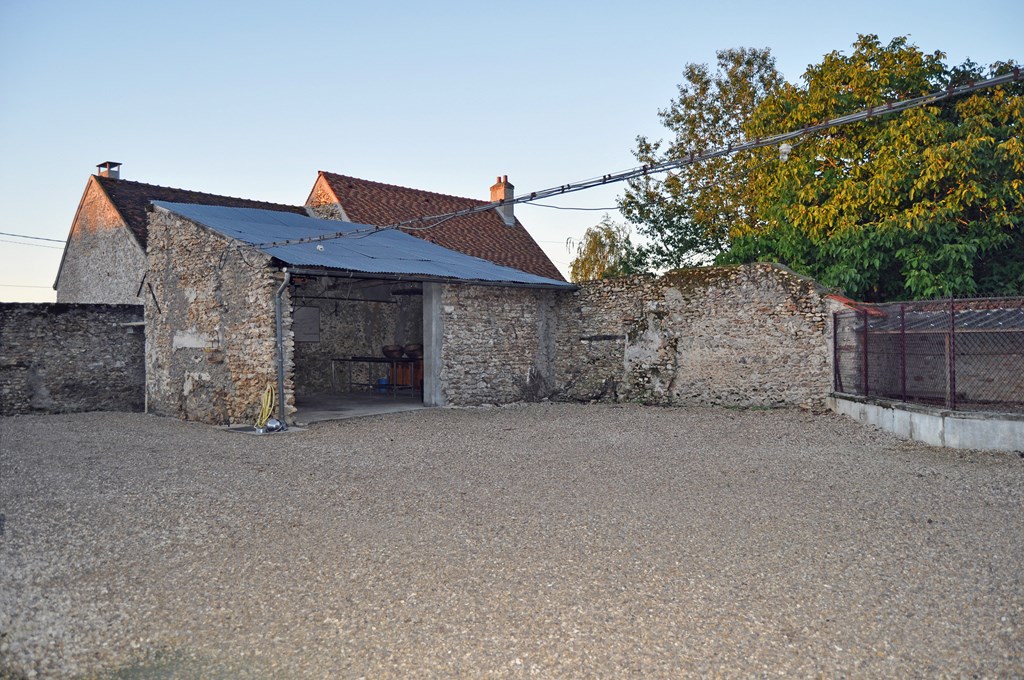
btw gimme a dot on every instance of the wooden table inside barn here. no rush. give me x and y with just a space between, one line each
402 373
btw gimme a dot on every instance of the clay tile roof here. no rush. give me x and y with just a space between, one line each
482 235
132 198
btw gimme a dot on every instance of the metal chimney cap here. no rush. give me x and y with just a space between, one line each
109 169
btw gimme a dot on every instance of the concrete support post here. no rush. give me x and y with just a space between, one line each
433 334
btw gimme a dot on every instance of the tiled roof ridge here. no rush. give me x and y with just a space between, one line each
112 180
410 190
480 233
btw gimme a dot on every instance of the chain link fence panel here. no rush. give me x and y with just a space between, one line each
963 355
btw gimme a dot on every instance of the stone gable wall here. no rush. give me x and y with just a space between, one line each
321 202
211 347
62 358
103 262
753 335
498 344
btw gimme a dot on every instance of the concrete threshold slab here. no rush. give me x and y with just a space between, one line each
324 406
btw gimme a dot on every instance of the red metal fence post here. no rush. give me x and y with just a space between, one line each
837 381
903 353
951 393
865 313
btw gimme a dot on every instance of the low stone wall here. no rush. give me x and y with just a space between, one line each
752 335
60 358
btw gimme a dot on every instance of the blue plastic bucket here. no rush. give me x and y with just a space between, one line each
382 384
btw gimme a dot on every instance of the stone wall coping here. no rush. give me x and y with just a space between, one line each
64 307
666 276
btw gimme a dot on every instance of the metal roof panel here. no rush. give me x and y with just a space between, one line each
359 248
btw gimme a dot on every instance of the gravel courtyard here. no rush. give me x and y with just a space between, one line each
546 540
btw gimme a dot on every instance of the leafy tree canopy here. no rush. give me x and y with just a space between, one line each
922 204
605 251
688 215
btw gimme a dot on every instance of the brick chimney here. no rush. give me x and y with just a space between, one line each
504 191
111 169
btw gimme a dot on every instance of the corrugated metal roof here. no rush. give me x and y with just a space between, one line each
386 251
938 320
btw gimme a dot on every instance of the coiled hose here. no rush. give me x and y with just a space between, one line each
267 402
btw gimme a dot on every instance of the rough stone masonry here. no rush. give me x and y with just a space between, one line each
210 325
62 358
752 335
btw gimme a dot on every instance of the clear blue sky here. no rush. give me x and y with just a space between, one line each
251 99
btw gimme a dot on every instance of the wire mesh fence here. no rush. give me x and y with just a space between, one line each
964 355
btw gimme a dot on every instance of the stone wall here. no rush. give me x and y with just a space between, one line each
57 358
211 341
592 336
752 335
356 318
498 344
102 262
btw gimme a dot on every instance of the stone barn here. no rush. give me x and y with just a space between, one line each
240 294
242 298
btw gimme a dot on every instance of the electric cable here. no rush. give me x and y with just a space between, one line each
34 245
562 207
36 238
695 156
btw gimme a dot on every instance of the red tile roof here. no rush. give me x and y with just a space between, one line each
132 198
482 235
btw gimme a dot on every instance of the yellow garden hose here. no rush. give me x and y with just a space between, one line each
267 403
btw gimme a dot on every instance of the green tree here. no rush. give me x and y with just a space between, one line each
605 251
687 215
924 204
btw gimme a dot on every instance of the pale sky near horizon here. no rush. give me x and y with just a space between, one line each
251 99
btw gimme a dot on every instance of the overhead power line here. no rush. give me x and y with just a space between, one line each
35 238
888 108
563 207
34 245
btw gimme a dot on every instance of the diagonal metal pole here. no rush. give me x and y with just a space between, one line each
695 156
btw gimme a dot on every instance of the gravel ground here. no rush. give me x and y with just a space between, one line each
546 540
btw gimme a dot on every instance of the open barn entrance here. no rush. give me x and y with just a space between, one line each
358 346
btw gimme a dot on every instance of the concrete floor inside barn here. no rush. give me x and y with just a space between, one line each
323 406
